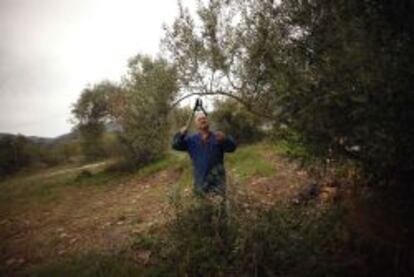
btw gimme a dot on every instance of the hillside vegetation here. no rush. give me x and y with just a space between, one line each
66 213
86 221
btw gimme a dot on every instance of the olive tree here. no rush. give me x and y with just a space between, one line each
337 73
91 112
150 86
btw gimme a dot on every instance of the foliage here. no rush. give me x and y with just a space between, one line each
233 119
66 151
13 154
20 152
355 98
150 86
199 240
210 237
91 140
92 111
138 109
180 116
337 73
219 53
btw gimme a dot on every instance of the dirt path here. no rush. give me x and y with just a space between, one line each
285 186
92 166
86 220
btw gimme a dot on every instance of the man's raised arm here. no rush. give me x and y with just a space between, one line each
228 142
179 141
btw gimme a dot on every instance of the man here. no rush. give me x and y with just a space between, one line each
206 151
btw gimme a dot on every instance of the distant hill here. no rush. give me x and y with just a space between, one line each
40 140
110 127
65 138
44 140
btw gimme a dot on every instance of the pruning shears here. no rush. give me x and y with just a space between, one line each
198 106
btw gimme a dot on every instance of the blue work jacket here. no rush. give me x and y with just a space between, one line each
207 158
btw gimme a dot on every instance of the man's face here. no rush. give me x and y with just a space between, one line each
201 122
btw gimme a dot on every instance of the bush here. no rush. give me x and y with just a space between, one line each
91 112
199 240
92 141
84 174
212 237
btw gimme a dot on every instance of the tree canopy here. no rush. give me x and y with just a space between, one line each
139 107
338 73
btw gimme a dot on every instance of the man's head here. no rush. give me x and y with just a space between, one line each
201 122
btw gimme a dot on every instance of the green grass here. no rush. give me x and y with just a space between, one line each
290 149
49 188
250 161
246 162
25 189
171 160
45 187
42 183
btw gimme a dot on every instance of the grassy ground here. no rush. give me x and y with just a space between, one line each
84 221
251 161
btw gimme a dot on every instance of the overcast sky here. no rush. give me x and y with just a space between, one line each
51 49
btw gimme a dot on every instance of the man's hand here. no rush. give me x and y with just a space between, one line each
220 137
183 130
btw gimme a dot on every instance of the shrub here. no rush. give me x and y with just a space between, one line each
212 237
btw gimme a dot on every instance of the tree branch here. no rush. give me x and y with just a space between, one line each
237 98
